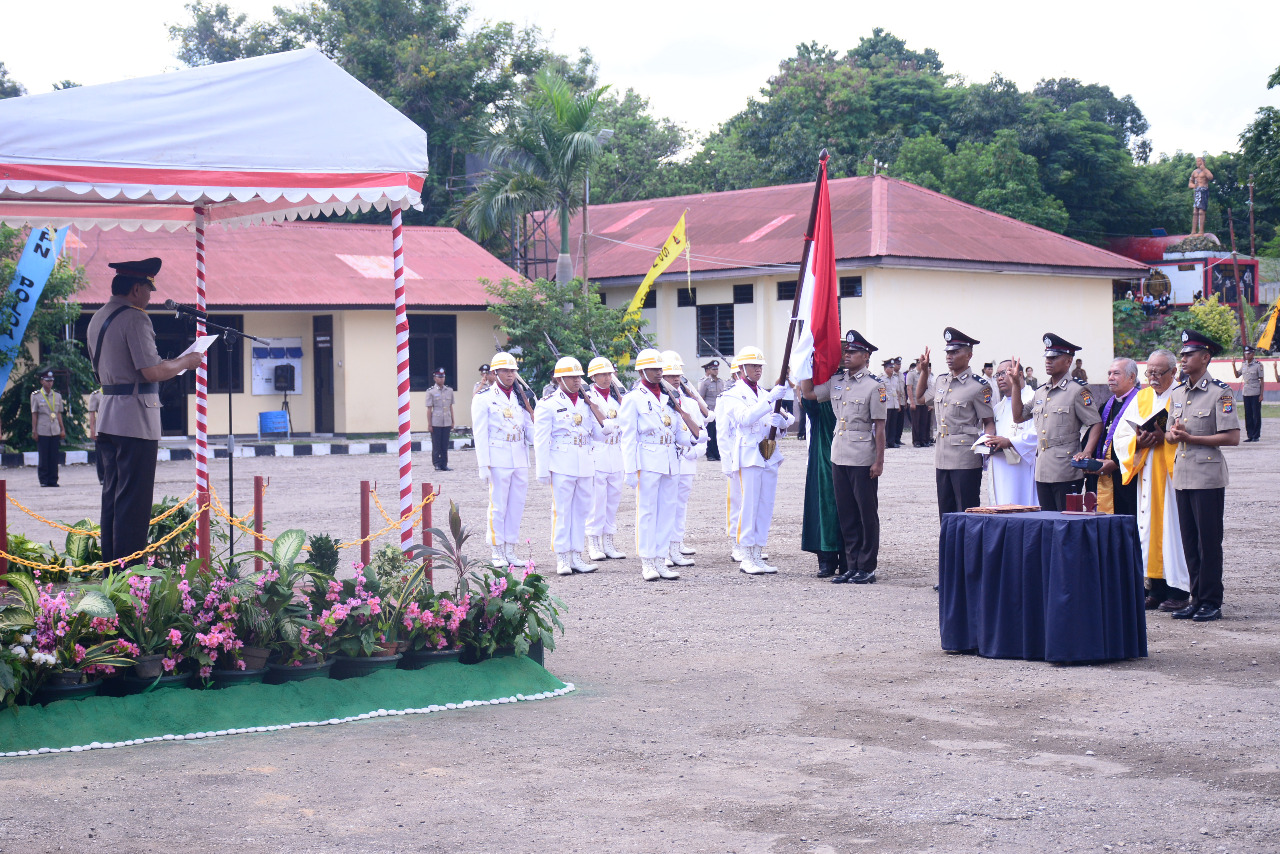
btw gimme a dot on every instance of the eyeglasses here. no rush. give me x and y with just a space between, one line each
1157 372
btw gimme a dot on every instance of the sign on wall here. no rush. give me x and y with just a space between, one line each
267 358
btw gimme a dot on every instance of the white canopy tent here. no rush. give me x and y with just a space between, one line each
272 138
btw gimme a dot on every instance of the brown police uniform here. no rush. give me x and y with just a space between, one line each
1060 411
440 403
128 423
1251 380
92 407
960 404
1200 481
711 389
46 423
858 401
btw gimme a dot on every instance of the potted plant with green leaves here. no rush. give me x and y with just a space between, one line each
155 614
284 621
355 625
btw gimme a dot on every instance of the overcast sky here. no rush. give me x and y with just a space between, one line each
1197 87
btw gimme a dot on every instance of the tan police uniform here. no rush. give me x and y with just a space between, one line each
858 401
1200 480
960 405
46 424
1251 380
710 389
92 406
1059 411
128 423
440 406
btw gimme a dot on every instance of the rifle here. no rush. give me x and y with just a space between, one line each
673 394
595 410
613 383
516 387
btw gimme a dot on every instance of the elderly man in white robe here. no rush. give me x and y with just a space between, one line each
1146 457
1013 458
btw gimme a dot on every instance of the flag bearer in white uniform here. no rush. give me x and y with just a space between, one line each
650 458
606 454
673 372
750 412
501 418
564 428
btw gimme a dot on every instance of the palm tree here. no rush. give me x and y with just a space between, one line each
540 159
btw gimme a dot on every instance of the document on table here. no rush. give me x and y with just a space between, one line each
202 343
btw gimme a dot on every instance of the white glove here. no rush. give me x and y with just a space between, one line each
630 479
777 393
778 420
484 474
703 438
711 416
610 426
544 480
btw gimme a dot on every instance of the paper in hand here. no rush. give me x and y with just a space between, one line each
202 343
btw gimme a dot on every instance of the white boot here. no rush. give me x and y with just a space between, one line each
647 570
497 558
757 556
736 553
748 564
595 549
661 565
562 564
577 564
685 550
509 550
674 557
610 550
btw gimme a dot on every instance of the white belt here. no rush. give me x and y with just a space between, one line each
506 437
657 440
576 442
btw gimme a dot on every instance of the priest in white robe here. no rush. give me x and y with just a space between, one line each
1013 458
1145 457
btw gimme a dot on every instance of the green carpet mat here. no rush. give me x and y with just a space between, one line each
181 714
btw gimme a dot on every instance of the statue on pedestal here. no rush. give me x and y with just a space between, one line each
1199 185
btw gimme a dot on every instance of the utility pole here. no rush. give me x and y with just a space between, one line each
1252 251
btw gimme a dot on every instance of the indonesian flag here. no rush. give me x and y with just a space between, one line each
816 355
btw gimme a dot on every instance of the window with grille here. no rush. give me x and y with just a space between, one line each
715 329
850 286
743 294
786 290
686 297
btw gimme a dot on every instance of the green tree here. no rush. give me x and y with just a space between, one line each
1120 114
884 49
540 159
9 88
54 312
641 160
530 311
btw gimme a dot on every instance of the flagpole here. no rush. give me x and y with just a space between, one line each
809 239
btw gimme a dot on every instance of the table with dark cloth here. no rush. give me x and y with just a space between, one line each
1043 586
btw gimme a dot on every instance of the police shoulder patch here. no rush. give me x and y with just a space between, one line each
986 394
1086 395
884 395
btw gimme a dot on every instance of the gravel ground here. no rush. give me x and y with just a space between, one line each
725 713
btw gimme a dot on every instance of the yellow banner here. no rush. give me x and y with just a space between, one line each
670 251
1269 332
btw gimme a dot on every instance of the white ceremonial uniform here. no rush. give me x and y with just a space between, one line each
650 449
728 444
750 414
499 425
688 466
1014 483
563 432
606 454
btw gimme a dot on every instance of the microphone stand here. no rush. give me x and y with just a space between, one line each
229 338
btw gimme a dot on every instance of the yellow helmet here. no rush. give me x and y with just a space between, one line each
600 365
568 367
503 360
648 358
749 356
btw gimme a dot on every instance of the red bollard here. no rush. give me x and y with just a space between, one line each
364 522
426 529
259 485
202 527
4 527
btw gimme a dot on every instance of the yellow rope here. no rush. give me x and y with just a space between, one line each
94 567
235 522
34 515
395 523
378 502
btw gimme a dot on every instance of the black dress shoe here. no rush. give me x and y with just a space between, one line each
1207 612
825 572
1186 613
844 577
864 578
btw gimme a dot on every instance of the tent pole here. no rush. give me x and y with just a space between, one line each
202 391
402 381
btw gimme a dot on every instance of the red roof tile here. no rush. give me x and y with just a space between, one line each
877 220
297 265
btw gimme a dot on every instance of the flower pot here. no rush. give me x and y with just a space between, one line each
52 691
254 657
65 678
472 655
227 678
384 649
351 667
416 659
148 666
141 684
278 674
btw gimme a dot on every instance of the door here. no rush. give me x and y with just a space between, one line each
322 347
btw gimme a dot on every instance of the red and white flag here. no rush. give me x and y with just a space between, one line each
817 352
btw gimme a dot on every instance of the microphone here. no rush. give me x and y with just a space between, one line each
189 310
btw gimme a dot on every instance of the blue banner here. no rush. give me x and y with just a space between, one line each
34 267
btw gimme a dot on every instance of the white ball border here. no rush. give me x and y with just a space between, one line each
376 713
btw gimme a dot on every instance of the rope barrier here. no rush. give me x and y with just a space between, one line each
94 567
237 523
52 524
373 490
395 523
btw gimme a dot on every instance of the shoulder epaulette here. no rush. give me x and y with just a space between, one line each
980 378
1221 384
1079 381
874 377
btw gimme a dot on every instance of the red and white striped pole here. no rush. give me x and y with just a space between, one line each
402 382
202 388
